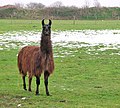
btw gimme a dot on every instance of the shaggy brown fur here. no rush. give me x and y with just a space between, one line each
35 60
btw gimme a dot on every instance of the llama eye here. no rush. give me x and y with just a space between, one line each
43 27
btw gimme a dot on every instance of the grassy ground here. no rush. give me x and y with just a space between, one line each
80 80
16 25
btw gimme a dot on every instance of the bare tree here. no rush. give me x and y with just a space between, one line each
57 4
35 6
96 4
19 5
87 4
97 8
86 8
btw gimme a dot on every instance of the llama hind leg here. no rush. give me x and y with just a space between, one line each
38 83
46 75
24 83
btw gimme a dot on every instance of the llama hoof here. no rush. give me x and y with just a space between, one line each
48 94
25 89
29 90
37 93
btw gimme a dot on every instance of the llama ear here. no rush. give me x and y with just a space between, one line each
43 22
50 22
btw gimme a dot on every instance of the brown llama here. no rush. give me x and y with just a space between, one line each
35 59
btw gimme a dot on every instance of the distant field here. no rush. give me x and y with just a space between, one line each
16 25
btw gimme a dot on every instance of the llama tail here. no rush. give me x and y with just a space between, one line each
20 62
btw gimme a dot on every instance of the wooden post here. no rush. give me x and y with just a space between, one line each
73 20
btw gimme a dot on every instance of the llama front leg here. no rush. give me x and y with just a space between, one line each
46 75
38 83
30 80
24 83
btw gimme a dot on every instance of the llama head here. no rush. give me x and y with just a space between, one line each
46 28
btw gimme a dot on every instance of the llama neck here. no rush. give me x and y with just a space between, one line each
46 45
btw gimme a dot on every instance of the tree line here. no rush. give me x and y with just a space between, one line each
58 11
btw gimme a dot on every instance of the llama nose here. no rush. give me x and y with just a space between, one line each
47 32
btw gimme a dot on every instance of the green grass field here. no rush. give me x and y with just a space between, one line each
80 81
16 25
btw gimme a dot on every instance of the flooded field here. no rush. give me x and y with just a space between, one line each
93 40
